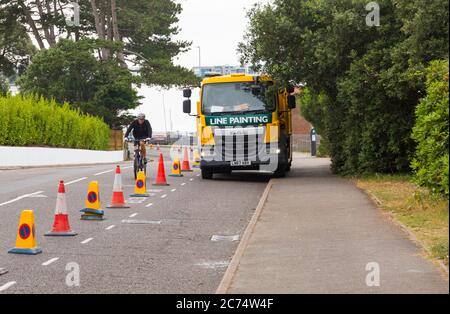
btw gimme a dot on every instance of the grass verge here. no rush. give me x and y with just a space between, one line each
423 213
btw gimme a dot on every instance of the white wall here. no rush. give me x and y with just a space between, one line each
40 156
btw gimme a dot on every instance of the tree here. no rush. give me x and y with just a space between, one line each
16 47
69 72
363 82
431 131
143 30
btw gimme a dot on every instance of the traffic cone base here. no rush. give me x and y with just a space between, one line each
60 234
92 211
92 217
139 195
33 251
176 175
117 206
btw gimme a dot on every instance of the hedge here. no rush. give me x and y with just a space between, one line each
432 129
32 121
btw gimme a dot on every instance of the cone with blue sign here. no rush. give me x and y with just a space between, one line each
140 188
176 168
26 235
61 227
92 210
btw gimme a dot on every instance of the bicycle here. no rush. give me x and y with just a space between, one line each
139 163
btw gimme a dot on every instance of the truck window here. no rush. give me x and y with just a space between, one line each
237 97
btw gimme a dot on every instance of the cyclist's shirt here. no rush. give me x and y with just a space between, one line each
140 131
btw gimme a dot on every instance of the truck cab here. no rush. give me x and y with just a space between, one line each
244 122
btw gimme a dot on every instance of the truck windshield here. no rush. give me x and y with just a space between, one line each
237 97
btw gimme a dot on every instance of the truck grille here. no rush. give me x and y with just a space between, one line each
239 143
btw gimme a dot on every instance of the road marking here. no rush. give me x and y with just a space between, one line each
75 181
148 205
110 227
163 196
103 172
198 175
133 215
213 265
184 183
173 190
141 222
21 197
225 237
191 179
128 167
87 240
50 261
7 285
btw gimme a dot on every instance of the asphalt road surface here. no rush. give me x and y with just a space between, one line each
171 253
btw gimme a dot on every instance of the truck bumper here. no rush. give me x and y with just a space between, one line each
225 166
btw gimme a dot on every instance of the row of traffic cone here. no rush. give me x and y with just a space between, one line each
26 235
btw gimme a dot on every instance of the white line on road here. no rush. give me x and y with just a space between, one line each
163 196
103 172
87 240
50 261
21 197
7 285
191 179
184 183
75 181
128 167
133 215
173 190
198 175
148 205
110 227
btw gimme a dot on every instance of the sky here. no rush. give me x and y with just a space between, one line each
217 26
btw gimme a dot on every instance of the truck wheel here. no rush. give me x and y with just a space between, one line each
288 167
207 174
280 172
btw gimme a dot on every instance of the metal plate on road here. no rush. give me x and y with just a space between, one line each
141 222
241 163
225 237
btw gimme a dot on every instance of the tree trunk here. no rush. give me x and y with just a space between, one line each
115 30
32 24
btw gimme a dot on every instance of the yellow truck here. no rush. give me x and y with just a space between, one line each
244 122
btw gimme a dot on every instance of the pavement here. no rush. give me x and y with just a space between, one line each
174 254
318 233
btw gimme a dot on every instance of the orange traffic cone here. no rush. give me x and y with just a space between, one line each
61 225
161 176
185 166
118 201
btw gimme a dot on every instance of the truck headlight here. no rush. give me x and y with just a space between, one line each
273 150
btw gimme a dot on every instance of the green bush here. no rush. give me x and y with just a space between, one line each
4 87
28 120
431 131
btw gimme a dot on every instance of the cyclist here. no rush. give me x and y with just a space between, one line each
142 132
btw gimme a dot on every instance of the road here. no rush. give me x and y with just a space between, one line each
175 254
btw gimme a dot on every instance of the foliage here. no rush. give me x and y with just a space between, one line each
363 83
69 72
31 120
4 86
431 131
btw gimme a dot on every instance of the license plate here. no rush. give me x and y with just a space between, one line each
241 163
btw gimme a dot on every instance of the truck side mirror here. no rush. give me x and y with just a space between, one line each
187 106
187 93
291 102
